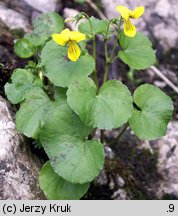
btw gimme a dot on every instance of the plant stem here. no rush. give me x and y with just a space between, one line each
102 136
116 41
94 74
106 71
121 131
114 47
106 54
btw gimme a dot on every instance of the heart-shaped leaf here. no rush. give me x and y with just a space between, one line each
137 51
56 188
30 116
75 160
110 108
60 71
152 112
22 82
63 138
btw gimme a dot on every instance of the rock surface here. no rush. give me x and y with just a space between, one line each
18 167
159 21
13 19
44 5
141 170
168 161
68 12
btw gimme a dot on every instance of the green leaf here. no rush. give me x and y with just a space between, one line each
137 52
75 160
24 48
111 108
45 26
22 82
56 188
61 120
98 26
60 71
36 40
52 51
60 94
152 114
29 118
48 24
62 137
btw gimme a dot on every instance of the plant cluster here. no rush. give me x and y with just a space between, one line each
62 103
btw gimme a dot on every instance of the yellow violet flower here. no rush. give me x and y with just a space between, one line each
70 38
129 28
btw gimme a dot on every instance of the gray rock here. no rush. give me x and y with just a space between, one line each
101 179
19 169
68 12
160 84
109 153
160 19
45 5
120 181
13 19
120 194
168 161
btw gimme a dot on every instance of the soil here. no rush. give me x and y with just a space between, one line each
9 61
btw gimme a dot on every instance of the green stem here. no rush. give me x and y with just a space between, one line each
106 71
116 41
106 54
114 47
94 74
121 132
114 59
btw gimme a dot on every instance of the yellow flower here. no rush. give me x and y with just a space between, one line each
129 28
70 38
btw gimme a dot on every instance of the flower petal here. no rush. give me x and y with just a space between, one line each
77 36
62 38
73 51
138 12
124 11
129 29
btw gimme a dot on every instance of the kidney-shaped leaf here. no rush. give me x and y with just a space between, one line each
30 116
152 112
137 52
56 188
111 108
22 82
60 71
62 137
73 159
